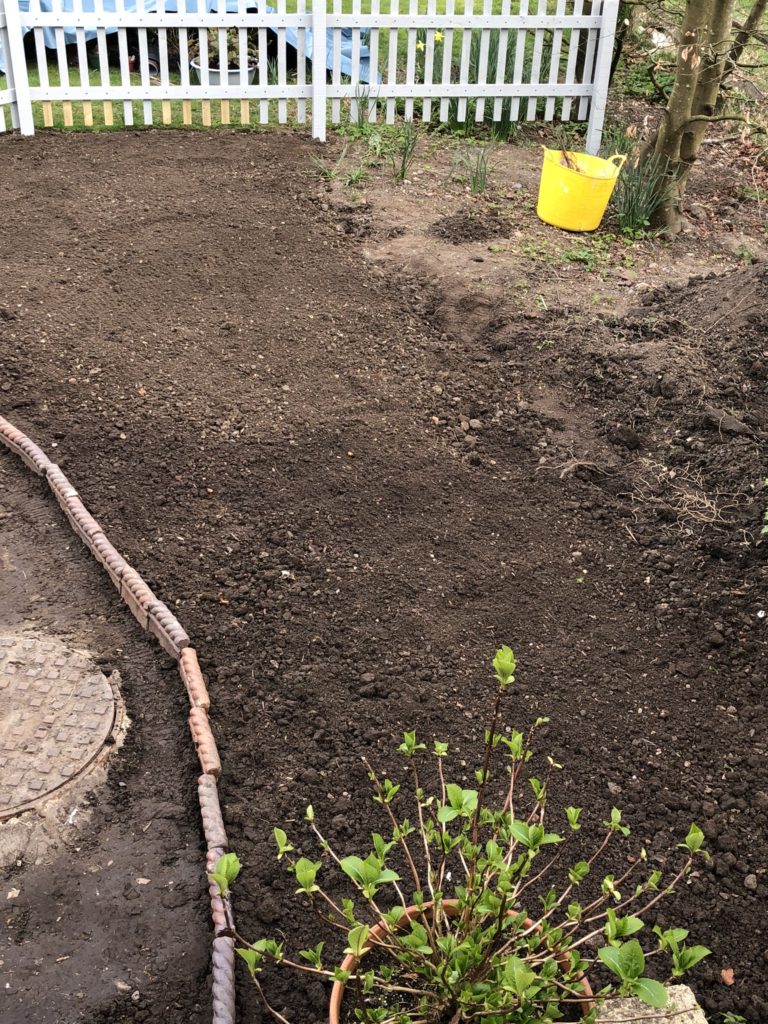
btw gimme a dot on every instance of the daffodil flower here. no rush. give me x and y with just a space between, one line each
420 45
438 37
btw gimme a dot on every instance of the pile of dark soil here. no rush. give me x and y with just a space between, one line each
475 224
351 505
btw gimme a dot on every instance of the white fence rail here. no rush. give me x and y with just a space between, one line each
88 63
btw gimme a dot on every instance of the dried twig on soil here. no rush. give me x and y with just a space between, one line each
683 494
566 469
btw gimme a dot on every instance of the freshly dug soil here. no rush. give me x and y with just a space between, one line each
471 226
351 490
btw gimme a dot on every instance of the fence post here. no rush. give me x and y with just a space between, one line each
609 17
319 57
16 67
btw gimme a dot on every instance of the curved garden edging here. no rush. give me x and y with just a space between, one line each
156 618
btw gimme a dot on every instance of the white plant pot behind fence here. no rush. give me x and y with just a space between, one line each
215 75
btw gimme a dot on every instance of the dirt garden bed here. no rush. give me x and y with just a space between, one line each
355 452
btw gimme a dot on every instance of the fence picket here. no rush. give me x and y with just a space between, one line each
356 100
82 62
445 104
429 63
319 86
588 69
16 73
104 79
554 63
301 64
501 63
42 72
186 104
144 72
373 67
282 67
573 55
336 65
264 72
203 61
538 46
410 60
466 52
165 76
394 8
517 74
125 68
222 42
482 70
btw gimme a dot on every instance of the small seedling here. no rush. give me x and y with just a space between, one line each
404 150
471 165
356 177
326 170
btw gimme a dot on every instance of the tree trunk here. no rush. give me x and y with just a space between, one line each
705 42
744 35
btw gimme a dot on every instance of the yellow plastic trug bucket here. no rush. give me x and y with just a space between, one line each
576 199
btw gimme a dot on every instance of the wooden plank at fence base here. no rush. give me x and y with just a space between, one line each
109 118
48 114
66 112
224 112
245 112
186 111
205 109
166 112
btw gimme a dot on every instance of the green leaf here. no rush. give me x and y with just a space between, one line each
229 866
691 955
409 746
220 880
251 957
578 872
313 955
610 957
573 814
357 938
306 872
694 839
521 832
441 749
632 960
504 665
283 846
518 976
651 992
446 814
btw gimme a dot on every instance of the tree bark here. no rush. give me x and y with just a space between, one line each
705 42
745 34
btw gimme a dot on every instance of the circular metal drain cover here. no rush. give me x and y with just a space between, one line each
56 711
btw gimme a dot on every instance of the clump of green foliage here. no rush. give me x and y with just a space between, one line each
468 902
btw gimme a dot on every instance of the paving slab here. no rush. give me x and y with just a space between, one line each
56 711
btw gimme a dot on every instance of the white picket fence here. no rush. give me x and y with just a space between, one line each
98 62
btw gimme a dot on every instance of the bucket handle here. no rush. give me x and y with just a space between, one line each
621 157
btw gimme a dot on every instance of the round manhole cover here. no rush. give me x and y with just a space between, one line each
56 711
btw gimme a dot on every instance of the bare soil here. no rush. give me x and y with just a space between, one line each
356 452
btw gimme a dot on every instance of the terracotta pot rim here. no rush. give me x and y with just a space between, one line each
350 962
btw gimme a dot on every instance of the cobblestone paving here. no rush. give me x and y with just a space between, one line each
56 711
